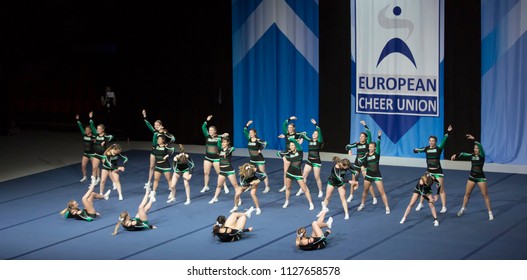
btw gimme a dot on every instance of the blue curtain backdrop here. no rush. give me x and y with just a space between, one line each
397 41
504 80
275 66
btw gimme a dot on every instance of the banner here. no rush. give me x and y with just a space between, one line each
397 55
503 82
275 67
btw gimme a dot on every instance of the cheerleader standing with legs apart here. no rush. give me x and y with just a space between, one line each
183 166
99 146
211 154
337 180
313 159
111 168
423 189
476 176
161 153
250 177
294 171
157 129
433 165
226 169
87 139
289 130
370 162
255 147
362 149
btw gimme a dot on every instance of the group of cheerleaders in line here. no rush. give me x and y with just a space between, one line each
218 155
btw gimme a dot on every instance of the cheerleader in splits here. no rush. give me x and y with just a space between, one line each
140 221
250 177
476 176
317 239
72 211
183 166
255 147
232 228
423 189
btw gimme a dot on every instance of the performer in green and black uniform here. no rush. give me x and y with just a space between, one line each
337 179
476 176
370 161
232 228
250 178
295 156
289 131
313 159
183 166
433 164
161 152
72 210
423 189
211 153
99 146
226 169
255 146
362 149
157 129
87 139
140 221
111 167
317 239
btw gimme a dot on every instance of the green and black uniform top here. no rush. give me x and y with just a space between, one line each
230 234
82 215
255 147
315 243
314 147
296 135
371 162
169 137
337 176
424 189
211 145
433 155
87 140
112 162
295 168
362 149
258 175
161 155
98 147
181 167
225 159
476 171
137 224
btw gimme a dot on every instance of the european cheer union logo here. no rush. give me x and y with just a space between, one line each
395 45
